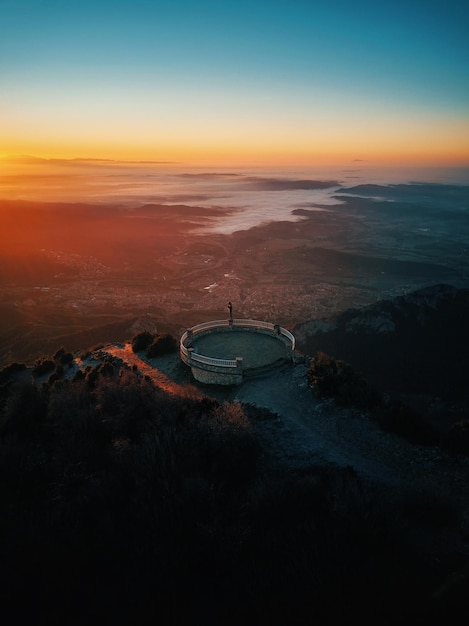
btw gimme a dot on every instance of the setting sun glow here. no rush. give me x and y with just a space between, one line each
241 83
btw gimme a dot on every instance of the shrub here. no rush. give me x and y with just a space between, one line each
161 345
458 437
10 370
231 449
80 375
431 506
53 378
106 369
336 379
43 366
59 370
60 352
65 358
141 341
398 418
24 412
91 376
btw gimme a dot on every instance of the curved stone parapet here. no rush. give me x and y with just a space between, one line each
212 370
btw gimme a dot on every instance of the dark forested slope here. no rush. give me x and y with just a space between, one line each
123 504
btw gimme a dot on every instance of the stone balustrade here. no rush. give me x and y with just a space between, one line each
212 370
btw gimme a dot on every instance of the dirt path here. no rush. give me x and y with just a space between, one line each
159 378
309 431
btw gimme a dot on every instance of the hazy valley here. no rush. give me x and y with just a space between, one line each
75 274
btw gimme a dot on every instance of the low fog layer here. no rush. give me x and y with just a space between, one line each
71 273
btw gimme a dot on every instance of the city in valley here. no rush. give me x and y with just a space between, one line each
75 274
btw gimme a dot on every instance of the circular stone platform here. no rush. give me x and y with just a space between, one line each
257 350
223 352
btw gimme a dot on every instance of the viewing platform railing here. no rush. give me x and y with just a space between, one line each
189 356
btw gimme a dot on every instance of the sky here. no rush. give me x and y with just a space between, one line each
276 81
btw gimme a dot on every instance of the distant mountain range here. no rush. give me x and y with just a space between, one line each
417 343
27 159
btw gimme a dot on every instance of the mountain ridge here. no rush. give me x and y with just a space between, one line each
413 346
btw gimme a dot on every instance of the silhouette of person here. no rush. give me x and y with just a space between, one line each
230 306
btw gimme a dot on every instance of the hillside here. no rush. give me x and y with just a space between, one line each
126 503
131 496
414 346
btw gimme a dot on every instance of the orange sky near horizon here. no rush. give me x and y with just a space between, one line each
406 142
283 83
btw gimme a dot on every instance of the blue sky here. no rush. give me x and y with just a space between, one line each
102 72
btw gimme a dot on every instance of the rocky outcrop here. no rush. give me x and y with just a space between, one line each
414 343
371 323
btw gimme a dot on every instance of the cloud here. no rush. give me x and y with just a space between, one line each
178 198
26 159
303 208
211 175
260 183
179 210
287 184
